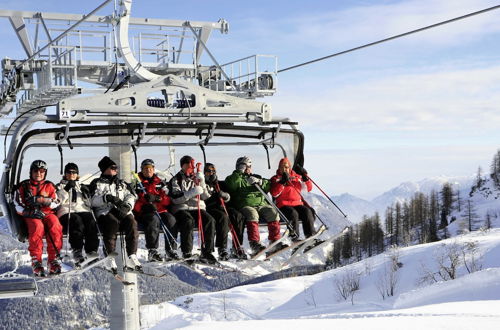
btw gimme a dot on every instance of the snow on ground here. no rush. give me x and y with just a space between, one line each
471 301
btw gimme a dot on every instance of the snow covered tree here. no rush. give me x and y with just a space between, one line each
458 201
495 169
347 246
447 198
478 181
470 214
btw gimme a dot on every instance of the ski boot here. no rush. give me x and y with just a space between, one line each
223 255
54 267
238 254
207 258
78 257
133 263
92 255
37 267
154 256
171 255
256 247
315 243
110 264
276 248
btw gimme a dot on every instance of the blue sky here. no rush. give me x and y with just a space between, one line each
422 106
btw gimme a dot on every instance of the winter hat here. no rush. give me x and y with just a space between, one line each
186 160
242 163
147 162
105 163
71 167
282 162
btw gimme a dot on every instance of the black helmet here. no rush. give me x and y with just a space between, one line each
147 162
37 164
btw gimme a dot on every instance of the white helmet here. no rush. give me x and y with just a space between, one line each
243 162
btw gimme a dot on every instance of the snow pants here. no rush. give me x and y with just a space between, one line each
303 213
82 231
221 226
186 220
111 224
152 229
267 213
51 228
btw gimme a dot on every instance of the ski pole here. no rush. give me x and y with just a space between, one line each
338 208
168 235
288 223
307 204
236 241
198 197
70 198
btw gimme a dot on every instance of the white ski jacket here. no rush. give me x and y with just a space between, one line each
102 186
79 204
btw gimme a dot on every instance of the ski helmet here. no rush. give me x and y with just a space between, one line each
38 164
147 162
243 162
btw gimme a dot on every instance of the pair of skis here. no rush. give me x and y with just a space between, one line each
77 270
310 246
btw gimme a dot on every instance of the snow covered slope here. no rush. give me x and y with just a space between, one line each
471 301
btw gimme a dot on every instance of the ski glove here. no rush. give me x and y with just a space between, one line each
123 209
148 208
151 198
284 178
200 176
112 199
35 214
195 191
224 195
69 185
254 180
302 171
85 191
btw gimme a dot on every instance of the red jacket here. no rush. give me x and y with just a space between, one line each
155 186
30 188
289 194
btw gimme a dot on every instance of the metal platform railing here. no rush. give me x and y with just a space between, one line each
254 76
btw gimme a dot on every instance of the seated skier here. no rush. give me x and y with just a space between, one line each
112 201
75 215
253 205
188 191
223 215
36 201
286 188
151 208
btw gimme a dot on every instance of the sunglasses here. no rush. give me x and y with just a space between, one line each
72 172
41 170
211 171
113 167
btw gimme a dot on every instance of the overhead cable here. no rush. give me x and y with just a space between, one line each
392 38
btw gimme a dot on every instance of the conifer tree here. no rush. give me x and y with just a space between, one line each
470 214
